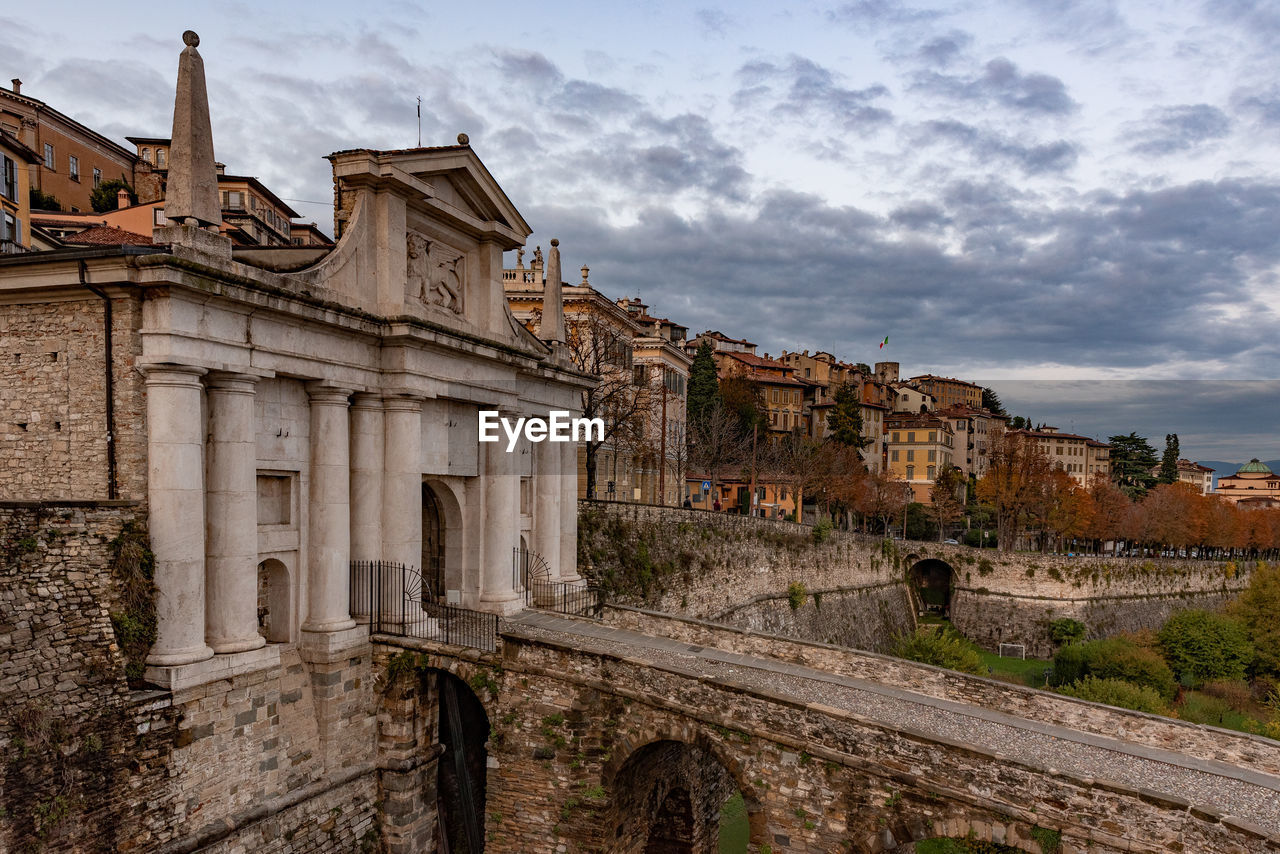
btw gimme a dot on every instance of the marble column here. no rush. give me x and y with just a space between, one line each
329 509
175 494
402 480
501 527
367 442
231 526
546 506
569 512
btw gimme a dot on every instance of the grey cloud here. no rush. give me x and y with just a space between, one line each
1121 280
1262 104
943 50
988 147
803 89
713 22
872 14
1000 82
1165 130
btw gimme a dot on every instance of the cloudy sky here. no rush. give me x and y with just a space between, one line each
1041 194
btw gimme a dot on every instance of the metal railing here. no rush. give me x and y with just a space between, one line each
574 598
394 600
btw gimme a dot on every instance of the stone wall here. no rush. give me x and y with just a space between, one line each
710 565
281 759
572 753
858 617
737 570
53 416
1203 742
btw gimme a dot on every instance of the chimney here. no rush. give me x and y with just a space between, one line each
220 168
122 198
17 86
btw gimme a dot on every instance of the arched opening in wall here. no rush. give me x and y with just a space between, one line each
441 540
671 797
932 580
460 785
275 600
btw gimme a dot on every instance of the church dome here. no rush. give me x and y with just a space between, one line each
1254 466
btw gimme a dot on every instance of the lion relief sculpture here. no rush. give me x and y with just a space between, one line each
434 272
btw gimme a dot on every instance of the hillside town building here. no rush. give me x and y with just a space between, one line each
1254 484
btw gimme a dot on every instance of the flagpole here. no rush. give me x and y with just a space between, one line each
419 121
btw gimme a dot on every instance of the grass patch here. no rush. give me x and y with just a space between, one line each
735 832
1200 708
1019 671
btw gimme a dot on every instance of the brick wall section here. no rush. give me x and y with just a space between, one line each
53 435
1152 730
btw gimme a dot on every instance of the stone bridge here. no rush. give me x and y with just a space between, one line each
628 735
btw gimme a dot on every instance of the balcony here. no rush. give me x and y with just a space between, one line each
9 247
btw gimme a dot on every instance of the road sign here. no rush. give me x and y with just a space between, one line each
706 486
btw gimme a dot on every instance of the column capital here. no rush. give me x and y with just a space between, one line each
231 381
402 402
172 374
325 393
369 400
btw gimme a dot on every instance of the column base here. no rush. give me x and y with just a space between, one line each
233 645
179 657
327 643
176 678
340 625
502 607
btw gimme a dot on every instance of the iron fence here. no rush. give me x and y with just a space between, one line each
394 600
565 598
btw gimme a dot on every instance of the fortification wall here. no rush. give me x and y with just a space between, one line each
737 570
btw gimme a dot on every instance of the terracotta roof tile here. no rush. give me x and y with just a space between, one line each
107 235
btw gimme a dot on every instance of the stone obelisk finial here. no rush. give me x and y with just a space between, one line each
552 328
191 195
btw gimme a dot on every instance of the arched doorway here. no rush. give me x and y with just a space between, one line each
275 601
442 546
670 797
460 785
932 580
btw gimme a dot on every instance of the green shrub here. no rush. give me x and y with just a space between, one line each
940 649
796 594
1117 692
1114 658
822 531
1066 631
1201 647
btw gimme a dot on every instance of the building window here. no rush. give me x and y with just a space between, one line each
893 456
933 456
73 167
160 154
930 476
911 435
911 472
97 177
911 455
9 187
158 217
146 154
48 156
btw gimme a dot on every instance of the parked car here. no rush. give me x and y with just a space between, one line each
951 542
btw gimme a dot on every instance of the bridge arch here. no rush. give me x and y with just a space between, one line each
933 581
432 734
667 795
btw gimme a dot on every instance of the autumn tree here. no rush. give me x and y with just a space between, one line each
717 442
946 498
883 497
1015 481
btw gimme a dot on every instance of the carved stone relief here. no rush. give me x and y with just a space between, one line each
435 272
